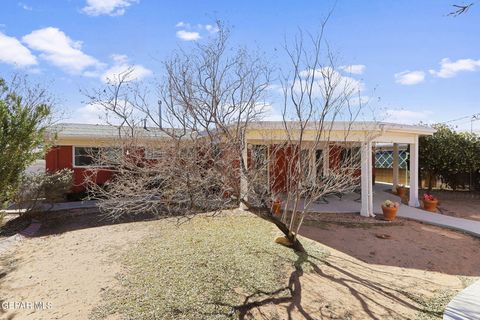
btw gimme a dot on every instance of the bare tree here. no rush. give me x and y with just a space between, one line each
316 95
460 9
211 97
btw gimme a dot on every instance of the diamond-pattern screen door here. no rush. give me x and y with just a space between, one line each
384 159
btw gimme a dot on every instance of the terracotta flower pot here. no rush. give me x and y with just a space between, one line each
389 213
401 191
276 206
430 205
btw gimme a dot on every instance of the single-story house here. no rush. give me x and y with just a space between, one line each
74 142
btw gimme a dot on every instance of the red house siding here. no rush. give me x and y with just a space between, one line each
283 157
61 157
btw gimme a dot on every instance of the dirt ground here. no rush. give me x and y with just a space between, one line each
409 244
467 209
70 269
364 277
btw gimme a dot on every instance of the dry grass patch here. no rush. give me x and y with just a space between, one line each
202 269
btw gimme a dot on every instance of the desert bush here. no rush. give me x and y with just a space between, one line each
37 189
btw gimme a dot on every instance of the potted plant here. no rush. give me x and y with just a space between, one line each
389 209
429 202
276 206
401 190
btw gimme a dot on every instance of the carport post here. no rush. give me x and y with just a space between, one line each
413 202
366 179
395 167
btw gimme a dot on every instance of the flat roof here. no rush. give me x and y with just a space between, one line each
97 131
349 125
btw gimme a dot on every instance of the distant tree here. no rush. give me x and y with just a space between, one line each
448 154
24 116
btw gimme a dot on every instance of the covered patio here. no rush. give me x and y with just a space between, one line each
350 203
363 134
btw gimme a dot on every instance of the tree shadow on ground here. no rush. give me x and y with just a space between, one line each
413 245
71 222
358 287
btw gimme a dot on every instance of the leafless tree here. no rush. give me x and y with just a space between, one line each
210 97
316 95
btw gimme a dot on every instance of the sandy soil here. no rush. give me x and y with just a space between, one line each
69 270
72 269
345 288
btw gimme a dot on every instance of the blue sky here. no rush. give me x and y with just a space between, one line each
422 64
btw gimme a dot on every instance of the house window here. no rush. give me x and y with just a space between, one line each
305 163
350 157
153 153
319 162
259 157
90 156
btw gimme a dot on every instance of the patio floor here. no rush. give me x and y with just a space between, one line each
350 203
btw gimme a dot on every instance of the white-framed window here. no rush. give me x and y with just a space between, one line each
90 156
350 157
319 163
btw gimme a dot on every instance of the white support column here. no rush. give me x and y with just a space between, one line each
326 159
243 177
413 202
395 167
366 179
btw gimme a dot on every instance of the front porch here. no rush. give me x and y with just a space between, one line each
362 135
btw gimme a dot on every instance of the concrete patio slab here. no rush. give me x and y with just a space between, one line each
349 204
470 226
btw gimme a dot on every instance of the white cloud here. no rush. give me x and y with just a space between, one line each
121 67
95 113
193 33
58 49
268 112
15 53
90 113
25 6
406 116
354 68
409 77
107 7
182 24
211 28
342 84
450 68
188 35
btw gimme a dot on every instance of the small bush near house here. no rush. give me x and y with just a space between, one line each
39 188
